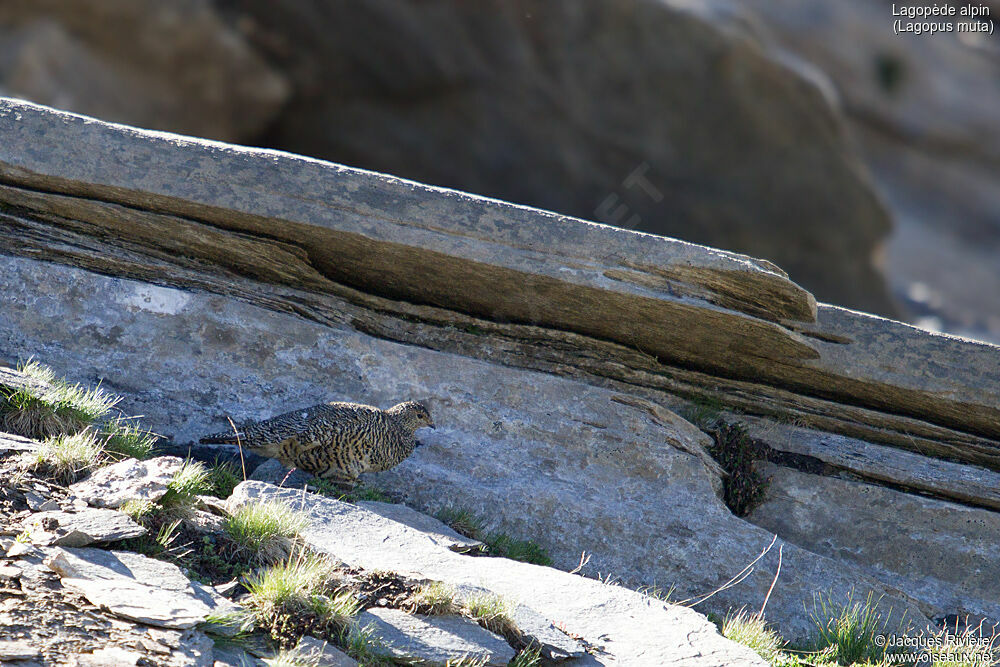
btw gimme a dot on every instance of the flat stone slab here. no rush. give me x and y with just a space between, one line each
79 529
135 587
434 640
130 479
626 627
428 525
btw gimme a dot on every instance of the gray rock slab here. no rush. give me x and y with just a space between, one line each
434 640
683 304
79 529
632 628
940 553
135 587
958 481
126 480
323 654
428 525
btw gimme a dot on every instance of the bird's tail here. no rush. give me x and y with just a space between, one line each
225 438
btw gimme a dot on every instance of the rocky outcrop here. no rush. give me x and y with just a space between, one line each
668 119
206 281
168 66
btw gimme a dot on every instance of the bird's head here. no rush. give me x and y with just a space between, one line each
412 414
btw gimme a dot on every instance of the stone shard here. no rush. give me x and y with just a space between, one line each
79 529
434 640
130 479
135 587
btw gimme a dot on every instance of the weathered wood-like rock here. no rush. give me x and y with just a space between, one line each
969 484
135 587
130 479
434 640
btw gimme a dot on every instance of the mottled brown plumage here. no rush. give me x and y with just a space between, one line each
337 441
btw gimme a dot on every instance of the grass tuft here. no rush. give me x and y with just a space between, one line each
126 438
435 598
190 480
52 407
223 478
361 644
493 613
461 521
139 509
751 630
290 600
736 452
527 657
265 530
66 457
847 631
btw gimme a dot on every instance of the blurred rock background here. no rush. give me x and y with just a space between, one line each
865 164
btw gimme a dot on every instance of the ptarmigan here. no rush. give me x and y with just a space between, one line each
336 441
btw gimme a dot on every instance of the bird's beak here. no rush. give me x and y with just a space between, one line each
431 425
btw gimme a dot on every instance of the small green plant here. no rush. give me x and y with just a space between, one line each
527 657
361 644
223 478
290 600
498 544
66 457
50 406
190 480
126 438
736 452
265 531
493 613
434 598
751 630
525 551
368 493
291 658
703 412
847 631
467 661
461 521
139 509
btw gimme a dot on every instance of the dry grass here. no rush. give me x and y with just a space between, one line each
51 406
